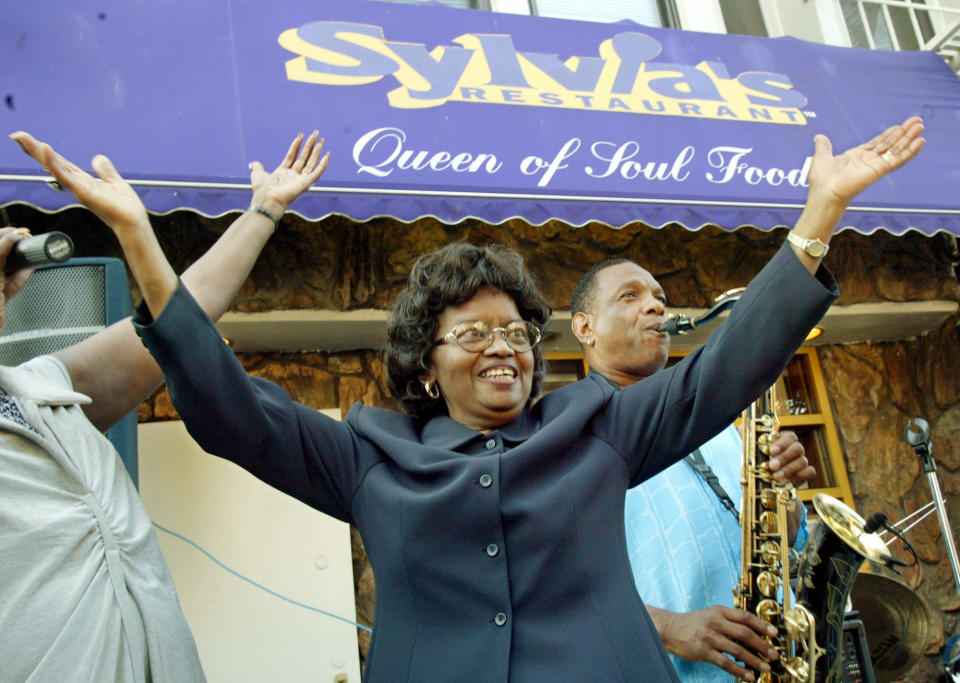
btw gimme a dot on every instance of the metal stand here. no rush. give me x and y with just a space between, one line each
920 441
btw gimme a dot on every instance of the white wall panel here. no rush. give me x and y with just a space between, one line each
244 633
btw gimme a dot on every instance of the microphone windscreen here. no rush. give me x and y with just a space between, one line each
877 520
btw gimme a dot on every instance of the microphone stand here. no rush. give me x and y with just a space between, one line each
920 442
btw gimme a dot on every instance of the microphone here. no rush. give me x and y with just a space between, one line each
877 520
681 324
50 247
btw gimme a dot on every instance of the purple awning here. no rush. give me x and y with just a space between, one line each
431 111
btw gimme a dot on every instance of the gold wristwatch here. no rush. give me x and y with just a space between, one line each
814 247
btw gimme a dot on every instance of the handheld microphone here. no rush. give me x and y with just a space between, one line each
50 247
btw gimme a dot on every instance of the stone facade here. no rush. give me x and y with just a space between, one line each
875 389
340 265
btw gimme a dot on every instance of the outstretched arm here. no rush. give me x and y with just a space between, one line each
836 180
112 366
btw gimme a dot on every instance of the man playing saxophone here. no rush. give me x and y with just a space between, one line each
683 538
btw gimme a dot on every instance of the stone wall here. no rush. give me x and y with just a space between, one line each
875 389
341 265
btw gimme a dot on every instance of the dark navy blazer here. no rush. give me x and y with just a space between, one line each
497 556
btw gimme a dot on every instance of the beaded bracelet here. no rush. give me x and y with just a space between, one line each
266 212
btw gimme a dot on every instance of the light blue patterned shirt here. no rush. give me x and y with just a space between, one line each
684 545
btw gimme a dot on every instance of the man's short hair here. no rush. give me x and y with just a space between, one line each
584 294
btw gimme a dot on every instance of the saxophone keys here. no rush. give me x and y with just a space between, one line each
764 474
768 522
800 623
768 610
770 552
768 498
798 668
768 584
763 443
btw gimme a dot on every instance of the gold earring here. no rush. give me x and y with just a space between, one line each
432 390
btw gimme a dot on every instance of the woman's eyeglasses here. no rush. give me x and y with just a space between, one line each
476 335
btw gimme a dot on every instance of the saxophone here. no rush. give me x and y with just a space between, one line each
810 632
828 568
766 552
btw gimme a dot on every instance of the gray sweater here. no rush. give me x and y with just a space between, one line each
85 594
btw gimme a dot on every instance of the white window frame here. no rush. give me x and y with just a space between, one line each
510 6
525 7
701 15
943 14
832 23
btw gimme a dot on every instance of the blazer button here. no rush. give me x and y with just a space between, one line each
486 480
500 619
493 549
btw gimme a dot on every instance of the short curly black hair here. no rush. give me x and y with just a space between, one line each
451 276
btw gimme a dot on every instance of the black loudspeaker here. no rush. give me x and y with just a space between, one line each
856 666
62 304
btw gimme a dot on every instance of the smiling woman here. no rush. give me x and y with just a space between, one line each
481 516
488 388
443 292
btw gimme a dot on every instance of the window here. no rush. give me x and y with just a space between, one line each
743 17
878 25
464 4
802 406
644 12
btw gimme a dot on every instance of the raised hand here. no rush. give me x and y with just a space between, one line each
110 197
848 174
300 168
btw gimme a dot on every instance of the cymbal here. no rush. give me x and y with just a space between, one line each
896 623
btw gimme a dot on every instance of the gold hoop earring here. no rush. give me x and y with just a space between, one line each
432 390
